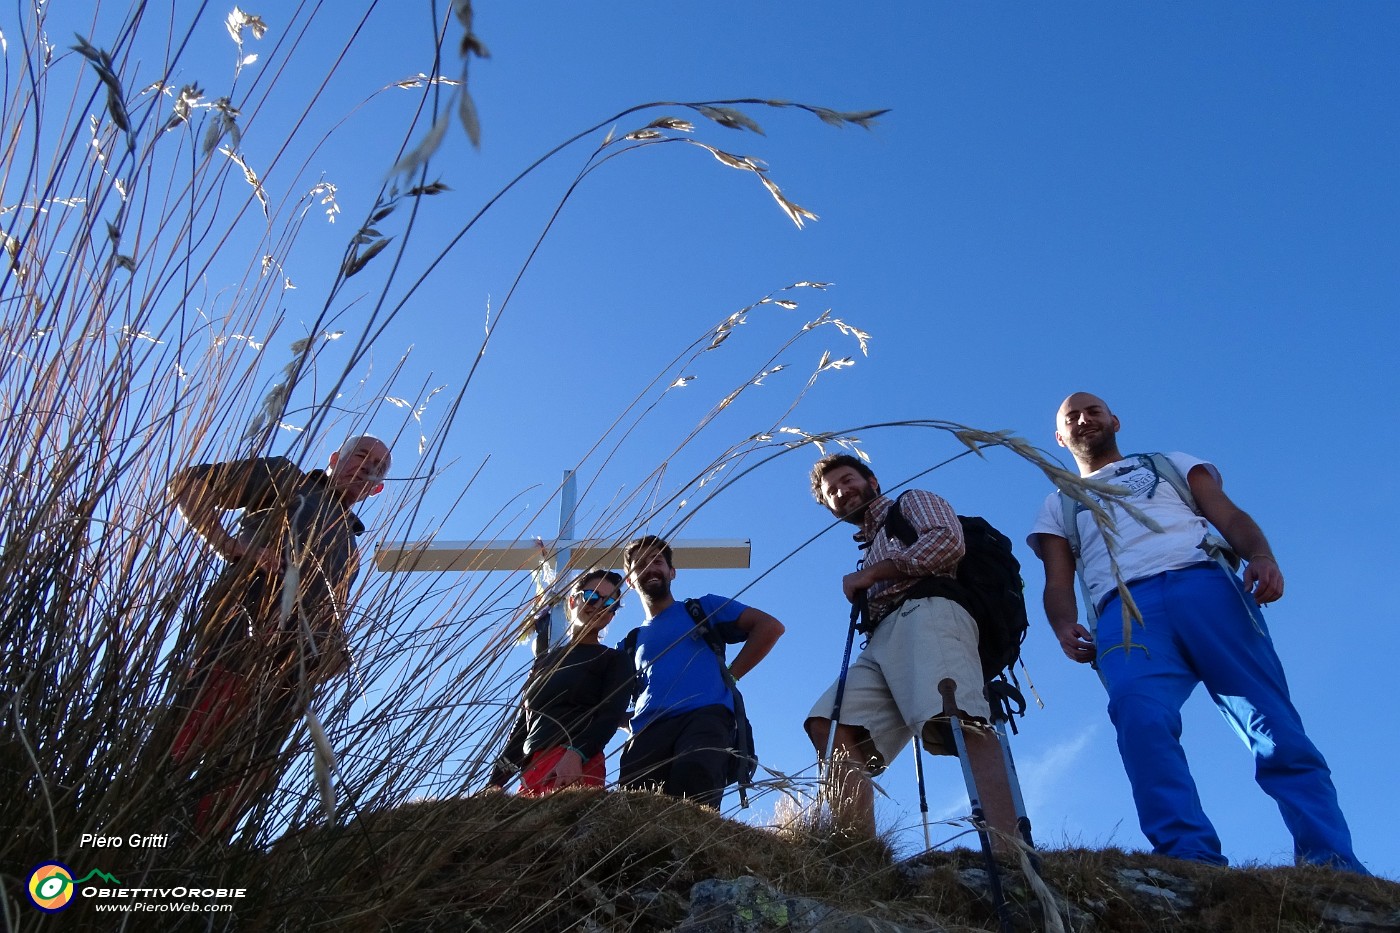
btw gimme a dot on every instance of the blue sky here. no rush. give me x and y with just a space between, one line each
1187 209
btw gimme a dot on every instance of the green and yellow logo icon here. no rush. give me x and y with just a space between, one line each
51 886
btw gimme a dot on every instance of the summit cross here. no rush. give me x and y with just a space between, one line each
547 561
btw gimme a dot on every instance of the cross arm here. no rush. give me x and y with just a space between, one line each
526 554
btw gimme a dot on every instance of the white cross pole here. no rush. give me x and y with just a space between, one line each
533 555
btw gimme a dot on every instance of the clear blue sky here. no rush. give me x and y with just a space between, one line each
1189 209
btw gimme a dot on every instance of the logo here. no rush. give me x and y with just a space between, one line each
51 885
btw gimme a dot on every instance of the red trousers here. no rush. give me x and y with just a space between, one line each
533 780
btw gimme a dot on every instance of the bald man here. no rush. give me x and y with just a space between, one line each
258 658
1201 624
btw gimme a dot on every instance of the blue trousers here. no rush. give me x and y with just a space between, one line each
1200 627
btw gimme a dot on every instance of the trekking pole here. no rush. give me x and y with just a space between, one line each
923 795
948 689
1002 696
1023 822
857 610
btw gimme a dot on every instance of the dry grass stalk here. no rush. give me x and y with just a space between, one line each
124 370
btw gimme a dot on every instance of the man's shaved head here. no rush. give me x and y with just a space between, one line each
1077 401
1089 429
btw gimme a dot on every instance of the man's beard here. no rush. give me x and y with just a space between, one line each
655 587
1093 446
855 514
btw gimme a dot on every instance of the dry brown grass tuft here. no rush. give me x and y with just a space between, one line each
121 365
587 859
504 863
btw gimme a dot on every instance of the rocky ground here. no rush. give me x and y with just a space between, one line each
591 861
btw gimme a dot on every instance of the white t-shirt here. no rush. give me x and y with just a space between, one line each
1141 552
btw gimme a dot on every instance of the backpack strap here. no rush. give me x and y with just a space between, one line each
628 646
743 736
1214 545
1162 467
899 527
707 631
1069 510
697 614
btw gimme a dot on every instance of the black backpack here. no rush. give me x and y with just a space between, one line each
988 585
743 763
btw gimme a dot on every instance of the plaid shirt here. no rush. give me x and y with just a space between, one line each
934 553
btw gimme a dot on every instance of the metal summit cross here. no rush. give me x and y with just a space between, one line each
567 551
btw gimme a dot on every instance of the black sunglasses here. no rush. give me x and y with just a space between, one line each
590 597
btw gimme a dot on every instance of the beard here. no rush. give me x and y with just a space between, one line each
853 507
655 587
1091 446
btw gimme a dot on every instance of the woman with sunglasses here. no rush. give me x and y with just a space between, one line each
574 699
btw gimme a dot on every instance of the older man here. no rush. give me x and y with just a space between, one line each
1201 624
272 626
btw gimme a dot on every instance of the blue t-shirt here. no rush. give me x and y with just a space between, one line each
677 668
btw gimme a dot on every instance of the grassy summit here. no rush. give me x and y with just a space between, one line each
588 860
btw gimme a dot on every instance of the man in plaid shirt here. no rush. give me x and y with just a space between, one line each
913 644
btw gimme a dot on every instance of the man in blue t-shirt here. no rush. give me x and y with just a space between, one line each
683 724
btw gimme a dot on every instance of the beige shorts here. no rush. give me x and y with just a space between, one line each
892 688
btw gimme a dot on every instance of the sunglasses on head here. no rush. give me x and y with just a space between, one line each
592 597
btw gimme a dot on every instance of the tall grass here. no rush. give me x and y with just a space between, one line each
149 256
149 259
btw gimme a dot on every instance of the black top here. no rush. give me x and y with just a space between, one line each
288 510
296 514
576 695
